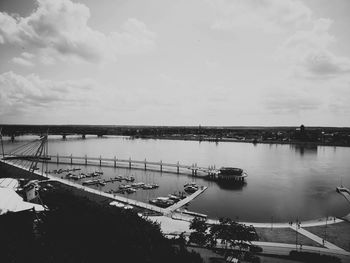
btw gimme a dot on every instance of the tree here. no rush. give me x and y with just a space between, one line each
232 234
227 232
199 235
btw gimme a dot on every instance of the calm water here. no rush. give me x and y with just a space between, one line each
284 181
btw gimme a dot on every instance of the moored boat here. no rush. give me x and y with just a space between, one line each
162 202
191 188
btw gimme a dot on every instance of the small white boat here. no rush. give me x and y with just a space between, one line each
117 204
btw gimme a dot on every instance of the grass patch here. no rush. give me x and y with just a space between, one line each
283 235
338 234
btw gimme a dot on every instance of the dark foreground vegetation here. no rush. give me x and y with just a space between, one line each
313 257
77 229
339 136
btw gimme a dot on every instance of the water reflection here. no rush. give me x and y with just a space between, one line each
237 186
304 149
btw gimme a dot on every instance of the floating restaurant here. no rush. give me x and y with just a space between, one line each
229 174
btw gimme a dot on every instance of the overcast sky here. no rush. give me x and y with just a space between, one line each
176 62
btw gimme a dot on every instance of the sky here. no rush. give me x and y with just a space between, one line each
184 62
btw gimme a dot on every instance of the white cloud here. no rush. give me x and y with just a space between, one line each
267 15
22 62
21 94
309 52
60 28
27 55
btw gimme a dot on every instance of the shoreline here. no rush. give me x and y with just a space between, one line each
175 215
304 144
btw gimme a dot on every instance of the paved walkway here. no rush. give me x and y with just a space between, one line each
317 239
177 225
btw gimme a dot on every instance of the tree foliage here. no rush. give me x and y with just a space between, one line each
80 230
227 232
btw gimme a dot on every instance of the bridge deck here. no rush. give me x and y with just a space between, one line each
115 162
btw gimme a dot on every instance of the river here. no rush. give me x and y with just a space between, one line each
285 182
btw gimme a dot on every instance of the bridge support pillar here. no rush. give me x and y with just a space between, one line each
58 159
85 159
115 161
71 159
12 138
177 167
195 171
161 166
100 161
64 136
83 136
145 164
129 162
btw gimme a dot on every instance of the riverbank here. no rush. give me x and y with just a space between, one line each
253 141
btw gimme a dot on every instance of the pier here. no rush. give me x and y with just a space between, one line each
115 162
185 200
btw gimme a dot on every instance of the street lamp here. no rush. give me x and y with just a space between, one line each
296 234
325 229
271 222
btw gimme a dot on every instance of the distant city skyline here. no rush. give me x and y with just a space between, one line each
161 62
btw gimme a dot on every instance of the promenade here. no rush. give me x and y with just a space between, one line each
179 223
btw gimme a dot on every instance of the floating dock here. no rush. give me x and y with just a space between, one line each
185 200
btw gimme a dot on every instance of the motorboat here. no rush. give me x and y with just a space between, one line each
191 188
162 202
130 190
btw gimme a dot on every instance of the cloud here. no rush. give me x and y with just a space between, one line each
22 62
291 104
324 63
59 28
21 94
309 53
267 15
307 47
27 55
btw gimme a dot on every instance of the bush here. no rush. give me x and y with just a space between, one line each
255 249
